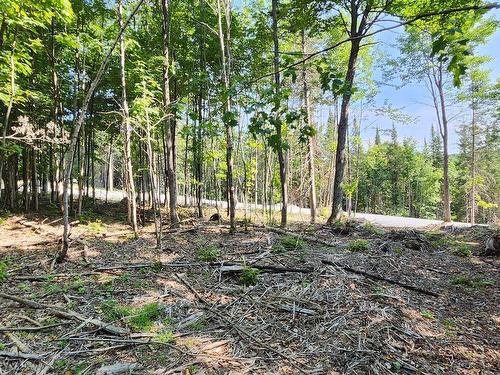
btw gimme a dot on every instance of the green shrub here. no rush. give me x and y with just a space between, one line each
249 276
208 254
358 245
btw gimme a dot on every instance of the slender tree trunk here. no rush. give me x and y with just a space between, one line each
310 143
170 137
34 178
12 93
444 135
226 74
281 156
152 182
126 133
74 137
473 167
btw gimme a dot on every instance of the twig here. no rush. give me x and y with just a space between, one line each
31 329
243 334
380 278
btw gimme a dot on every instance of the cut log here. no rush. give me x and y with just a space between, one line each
380 278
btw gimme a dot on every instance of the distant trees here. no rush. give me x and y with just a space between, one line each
222 102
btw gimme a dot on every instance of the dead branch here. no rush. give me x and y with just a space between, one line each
67 314
380 278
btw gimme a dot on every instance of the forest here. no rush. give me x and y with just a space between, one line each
249 186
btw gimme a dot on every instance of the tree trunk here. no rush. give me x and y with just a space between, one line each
281 156
226 74
310 143
171 174
473 167
340 156
126 133
74 137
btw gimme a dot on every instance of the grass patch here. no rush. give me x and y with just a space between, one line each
428 314
3 272
197 325
471 282
96 226
165 336
358 245
462 250
292 243
249 276
372 229
208 254
139 318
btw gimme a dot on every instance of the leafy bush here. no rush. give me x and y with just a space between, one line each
358 245
208 254
249 276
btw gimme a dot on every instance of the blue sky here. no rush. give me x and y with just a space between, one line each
414 98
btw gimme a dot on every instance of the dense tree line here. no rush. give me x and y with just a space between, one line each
176 101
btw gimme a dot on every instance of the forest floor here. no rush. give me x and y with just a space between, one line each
345 299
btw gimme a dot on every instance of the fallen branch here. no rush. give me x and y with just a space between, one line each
19 355
31 329
238 267
67 314
380 278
